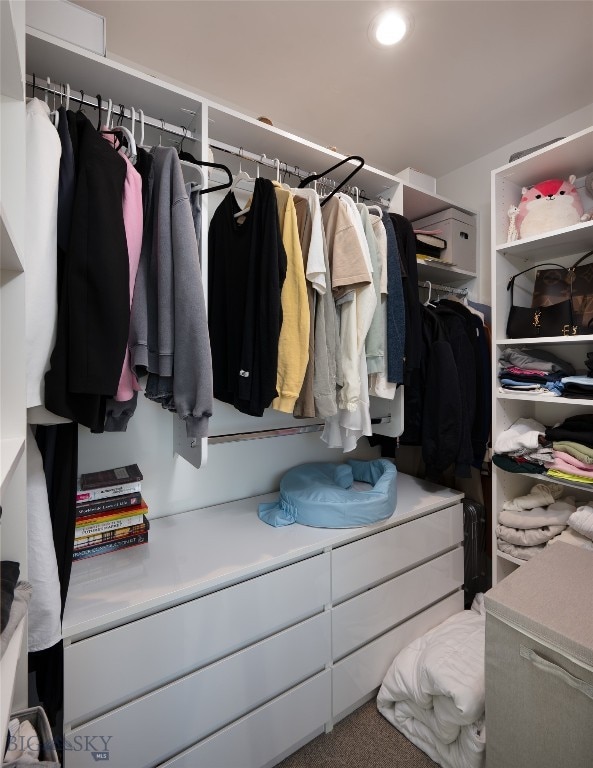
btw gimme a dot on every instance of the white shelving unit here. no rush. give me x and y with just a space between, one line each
13 526
572 155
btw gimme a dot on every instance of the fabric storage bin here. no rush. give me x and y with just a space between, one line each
48 757
539 663
459 230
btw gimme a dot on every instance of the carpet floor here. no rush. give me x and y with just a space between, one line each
364 739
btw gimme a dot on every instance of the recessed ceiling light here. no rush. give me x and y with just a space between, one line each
389 27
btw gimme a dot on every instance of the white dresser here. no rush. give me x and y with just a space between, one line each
225 643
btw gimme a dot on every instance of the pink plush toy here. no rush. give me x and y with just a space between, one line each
551 204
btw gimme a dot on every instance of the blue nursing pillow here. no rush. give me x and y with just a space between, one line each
321 495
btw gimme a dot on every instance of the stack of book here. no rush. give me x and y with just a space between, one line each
110 512
429 245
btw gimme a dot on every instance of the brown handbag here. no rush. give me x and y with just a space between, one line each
554 285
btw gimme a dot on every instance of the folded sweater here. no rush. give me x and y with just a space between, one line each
540 495
528 537
578 450
524 433
570 536
539 517
521 553
581 521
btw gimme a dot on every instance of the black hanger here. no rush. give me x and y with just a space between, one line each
316 176
81 100
189 158
99 106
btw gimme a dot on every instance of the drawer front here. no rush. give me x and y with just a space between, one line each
165 722
271 731
366 616
107 670
363 671
370 560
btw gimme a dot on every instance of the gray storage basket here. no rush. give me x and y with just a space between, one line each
48 757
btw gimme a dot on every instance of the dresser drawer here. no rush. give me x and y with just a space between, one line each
366 616
372 559
363 671
107 670
262 736
171 719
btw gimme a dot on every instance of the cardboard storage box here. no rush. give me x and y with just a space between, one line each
48 757
418 179
459 230
539 663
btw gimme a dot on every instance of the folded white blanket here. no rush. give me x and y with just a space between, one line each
467 751
581 521
529 537
540 495
442 670
521 553
569 536
556 513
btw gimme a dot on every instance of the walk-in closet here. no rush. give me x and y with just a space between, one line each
296 371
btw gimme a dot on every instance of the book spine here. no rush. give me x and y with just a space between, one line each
117 514
101 538
106 505
110 546
107 525
105 478
108 492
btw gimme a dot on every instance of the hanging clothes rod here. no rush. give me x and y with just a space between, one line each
443 288
280 166
237 437
80 97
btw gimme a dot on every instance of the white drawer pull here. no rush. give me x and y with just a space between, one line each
554 669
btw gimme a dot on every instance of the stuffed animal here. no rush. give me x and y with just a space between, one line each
551 204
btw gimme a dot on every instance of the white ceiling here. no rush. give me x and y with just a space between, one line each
473 76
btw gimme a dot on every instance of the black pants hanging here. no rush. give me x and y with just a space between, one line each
58 445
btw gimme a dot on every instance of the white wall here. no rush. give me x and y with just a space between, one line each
470 184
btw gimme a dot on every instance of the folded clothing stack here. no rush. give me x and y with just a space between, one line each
580 528
528 523
535 371
434 691
577 386
572 444
523 448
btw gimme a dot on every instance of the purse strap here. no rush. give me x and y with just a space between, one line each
576 264
511 283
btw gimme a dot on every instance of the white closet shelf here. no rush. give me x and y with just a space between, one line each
510 558
10 258
584 487
534 398
553 245
11 450
582 339
231 127
439 273
98 75
558 160
418 203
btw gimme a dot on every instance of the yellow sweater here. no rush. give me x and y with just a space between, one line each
293 345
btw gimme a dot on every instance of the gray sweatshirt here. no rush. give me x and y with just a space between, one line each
169 337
